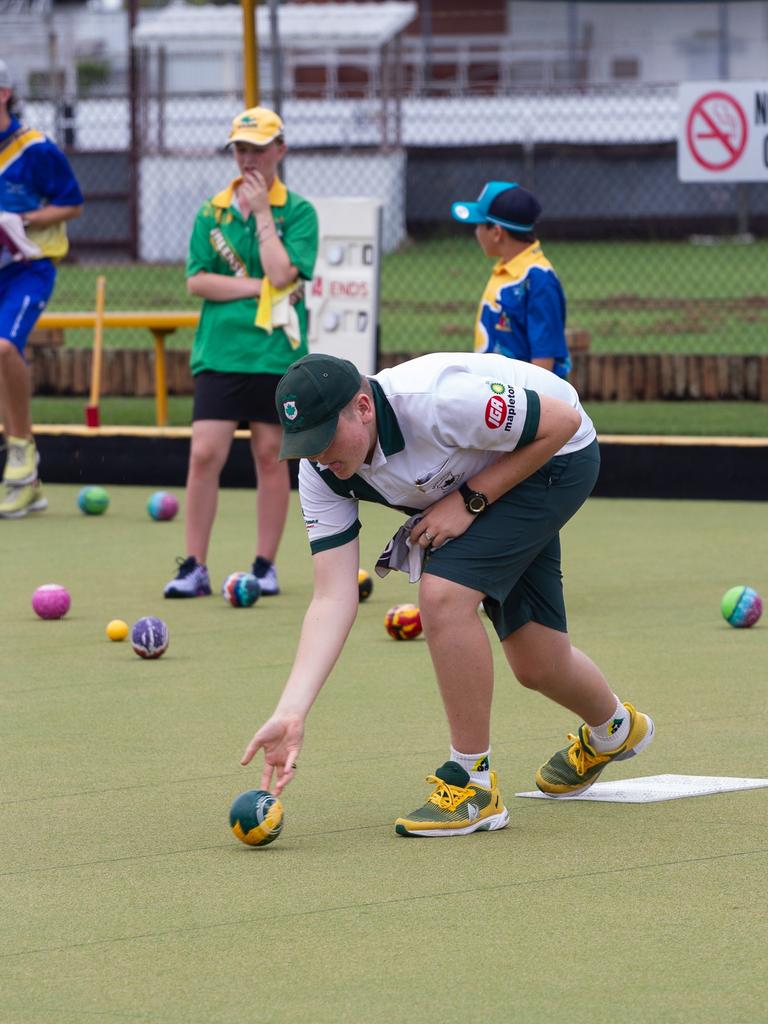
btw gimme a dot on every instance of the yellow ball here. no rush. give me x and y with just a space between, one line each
364 584
403 622
117 629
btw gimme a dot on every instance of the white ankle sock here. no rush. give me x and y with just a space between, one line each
478 765
611 734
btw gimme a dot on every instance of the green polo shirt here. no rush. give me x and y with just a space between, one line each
227 339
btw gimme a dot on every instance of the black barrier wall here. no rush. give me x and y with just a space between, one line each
629 470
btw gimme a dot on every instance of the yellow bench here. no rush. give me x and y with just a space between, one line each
159 324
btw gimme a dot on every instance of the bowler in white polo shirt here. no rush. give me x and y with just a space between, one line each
488 457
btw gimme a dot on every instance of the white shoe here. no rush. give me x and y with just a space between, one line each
20 501
191 580
266 574
21 463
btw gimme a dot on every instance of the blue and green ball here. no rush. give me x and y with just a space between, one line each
93 501
256 817
741 607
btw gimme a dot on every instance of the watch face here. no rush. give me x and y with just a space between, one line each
476 503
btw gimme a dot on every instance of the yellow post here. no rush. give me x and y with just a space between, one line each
92 417
250 54
161 380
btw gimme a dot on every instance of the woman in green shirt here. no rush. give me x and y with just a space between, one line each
252 245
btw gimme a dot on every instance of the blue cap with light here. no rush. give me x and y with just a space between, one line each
501 202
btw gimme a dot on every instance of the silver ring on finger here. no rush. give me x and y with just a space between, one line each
428 536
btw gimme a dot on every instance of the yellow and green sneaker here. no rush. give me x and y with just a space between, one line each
456 807
574 769
21 463
19 501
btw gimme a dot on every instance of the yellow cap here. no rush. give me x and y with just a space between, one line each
259 126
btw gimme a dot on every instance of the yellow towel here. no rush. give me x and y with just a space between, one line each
276 310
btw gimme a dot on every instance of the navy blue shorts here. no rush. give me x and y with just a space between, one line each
25 288
511 553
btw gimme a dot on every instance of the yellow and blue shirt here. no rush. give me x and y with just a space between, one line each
35 173
522 311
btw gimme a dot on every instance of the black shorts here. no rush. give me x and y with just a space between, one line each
243 397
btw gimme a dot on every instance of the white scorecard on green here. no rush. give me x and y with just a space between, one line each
658 787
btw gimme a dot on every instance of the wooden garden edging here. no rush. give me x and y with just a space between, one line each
58 370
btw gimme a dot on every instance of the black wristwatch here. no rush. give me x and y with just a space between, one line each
475 501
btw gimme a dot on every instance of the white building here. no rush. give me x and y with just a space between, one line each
546 43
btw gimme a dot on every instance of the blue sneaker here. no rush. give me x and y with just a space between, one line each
191 580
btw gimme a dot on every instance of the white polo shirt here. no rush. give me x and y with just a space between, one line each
440 419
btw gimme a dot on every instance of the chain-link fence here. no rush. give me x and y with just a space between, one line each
649 264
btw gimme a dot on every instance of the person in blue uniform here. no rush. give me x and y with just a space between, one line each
522 310
38 195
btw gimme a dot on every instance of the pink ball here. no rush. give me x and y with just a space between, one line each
51 601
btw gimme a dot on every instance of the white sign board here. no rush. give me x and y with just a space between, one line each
343 296
723 131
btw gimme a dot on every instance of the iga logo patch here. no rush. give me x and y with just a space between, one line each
495 412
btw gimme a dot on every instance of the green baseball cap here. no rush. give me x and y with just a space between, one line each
309 398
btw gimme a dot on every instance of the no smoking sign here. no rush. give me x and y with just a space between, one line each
723 131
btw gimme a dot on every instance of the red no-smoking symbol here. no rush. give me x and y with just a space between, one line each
716 131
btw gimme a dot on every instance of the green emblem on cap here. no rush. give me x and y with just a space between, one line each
289 409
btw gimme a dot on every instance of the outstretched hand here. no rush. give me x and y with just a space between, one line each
281 739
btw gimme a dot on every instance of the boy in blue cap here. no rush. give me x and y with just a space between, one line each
522 311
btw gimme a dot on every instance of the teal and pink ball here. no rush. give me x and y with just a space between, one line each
256 817
163 506
741 607
149 637
241 589
94 501
51 601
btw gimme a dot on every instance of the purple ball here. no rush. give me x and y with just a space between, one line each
51 601
149 637
162 505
